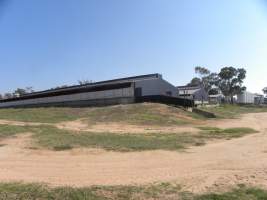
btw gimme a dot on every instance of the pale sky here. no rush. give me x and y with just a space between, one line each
49 43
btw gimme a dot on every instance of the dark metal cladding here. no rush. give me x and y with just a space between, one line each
166 100
133 83
90 87
76 90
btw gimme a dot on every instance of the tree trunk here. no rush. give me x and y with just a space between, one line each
232 99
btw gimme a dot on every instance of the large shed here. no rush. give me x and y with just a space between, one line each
116 91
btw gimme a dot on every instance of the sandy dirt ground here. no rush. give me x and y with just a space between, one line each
215 165
79 125
17 123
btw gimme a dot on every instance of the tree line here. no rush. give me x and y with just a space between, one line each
16 93
229 81
23 91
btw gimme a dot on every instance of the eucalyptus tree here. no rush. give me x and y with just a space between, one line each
231 81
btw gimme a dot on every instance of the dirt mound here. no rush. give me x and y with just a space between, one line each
133 118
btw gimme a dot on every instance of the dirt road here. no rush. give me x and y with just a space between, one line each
219 164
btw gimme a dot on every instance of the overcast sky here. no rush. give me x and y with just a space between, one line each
47 43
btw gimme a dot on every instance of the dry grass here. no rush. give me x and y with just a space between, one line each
140 114
227 111
57 139
163 191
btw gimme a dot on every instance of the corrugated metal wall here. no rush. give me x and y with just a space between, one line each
246 97
107 94
156 87
150 86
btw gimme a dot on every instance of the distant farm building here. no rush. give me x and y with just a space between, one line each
259 99
143 88
246 98
197 94
216 98
250 98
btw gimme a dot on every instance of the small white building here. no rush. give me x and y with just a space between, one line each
246 98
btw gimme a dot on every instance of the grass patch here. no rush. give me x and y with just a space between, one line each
163 191
141 114
56 139
62 147
233 111
42 115
227 133
242 193
59 140
14 191
137 114
8 130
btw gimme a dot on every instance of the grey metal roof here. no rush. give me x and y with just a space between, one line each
120 80
77 88
188 87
